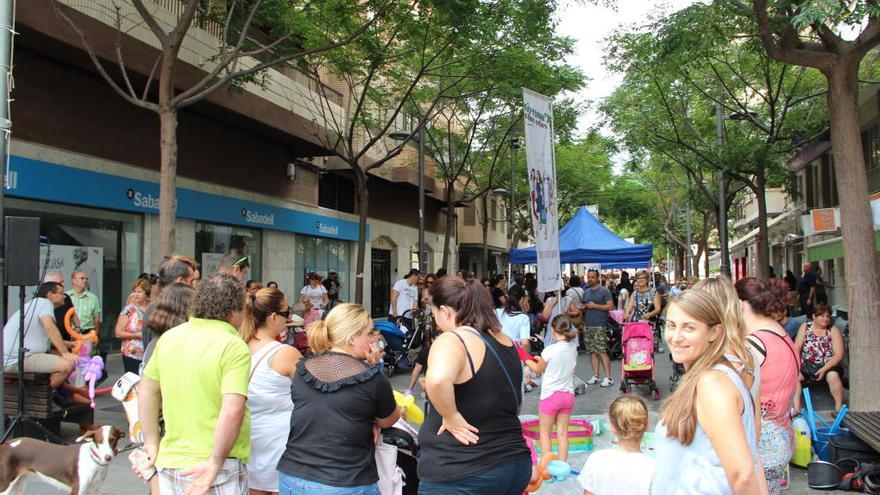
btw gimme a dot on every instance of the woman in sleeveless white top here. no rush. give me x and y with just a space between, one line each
696 468
721 458
272 366
270 406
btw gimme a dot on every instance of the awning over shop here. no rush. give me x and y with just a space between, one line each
833 248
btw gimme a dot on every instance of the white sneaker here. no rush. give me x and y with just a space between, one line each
594 380
606 382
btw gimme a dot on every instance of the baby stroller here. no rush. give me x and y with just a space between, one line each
407 455
613 331
398 342
637 366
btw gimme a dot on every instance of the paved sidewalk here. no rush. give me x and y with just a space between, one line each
121 481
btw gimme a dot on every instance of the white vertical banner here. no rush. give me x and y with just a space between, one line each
538 117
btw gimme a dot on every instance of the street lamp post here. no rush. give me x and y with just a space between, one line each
722 197
404 136
722 184
514 146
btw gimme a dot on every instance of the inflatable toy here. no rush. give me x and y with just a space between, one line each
580 434
413 412
79 339
542 472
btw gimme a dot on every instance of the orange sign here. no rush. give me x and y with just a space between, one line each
823 220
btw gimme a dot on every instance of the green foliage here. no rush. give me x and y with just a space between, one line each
676 70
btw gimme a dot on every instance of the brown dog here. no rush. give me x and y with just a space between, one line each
79 468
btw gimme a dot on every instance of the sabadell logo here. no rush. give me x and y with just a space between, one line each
323 228
142 200
259 218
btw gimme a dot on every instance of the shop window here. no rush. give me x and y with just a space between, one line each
320 255
106 245
213 241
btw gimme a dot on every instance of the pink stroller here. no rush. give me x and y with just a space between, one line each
637 366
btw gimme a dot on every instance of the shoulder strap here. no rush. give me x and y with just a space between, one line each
466 353
758 348
516 395
790 348
263 354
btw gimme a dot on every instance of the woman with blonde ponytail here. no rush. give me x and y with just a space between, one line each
272 368
341 402
706 440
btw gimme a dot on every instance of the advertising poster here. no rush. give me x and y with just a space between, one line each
538 117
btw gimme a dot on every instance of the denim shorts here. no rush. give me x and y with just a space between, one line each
507 479
291 485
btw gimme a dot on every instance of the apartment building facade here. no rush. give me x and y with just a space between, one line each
252 174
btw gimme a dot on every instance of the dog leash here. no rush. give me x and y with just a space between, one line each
130 446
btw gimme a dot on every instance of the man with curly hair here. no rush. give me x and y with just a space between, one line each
198 374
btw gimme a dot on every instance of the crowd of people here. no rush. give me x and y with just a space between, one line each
244 413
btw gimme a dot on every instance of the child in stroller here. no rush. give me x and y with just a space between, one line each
637 367
398 341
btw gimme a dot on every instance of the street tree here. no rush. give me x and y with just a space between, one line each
399 73
488 115
253 36
834 38
682 67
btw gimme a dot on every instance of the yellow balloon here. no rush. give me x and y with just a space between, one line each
413 412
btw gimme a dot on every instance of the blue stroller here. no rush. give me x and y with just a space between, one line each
398 344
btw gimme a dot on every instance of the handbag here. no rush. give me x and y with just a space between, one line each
810 369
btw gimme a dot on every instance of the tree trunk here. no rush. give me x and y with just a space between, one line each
485 225
450 218
860 258
167 180
363 196
763 251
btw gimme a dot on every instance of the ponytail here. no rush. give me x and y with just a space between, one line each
257 308
249 324
339 326
319 337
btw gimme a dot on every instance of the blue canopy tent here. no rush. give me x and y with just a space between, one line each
584 239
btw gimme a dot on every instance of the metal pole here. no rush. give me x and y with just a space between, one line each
510 217
688 269
722 195
423 259
6 31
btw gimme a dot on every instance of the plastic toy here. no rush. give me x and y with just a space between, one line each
523 354
413 412
580 434
542 472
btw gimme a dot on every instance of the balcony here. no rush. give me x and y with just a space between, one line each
284 85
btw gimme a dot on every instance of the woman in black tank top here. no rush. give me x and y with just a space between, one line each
471 441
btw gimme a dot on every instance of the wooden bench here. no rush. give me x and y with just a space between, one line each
866 426
40 404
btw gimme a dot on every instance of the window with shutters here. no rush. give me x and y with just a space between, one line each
470 216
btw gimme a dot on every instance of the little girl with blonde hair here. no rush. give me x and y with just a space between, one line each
624 469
